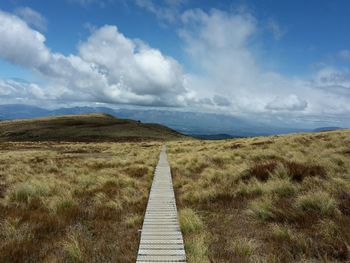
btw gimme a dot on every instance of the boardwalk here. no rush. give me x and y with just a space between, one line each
161 238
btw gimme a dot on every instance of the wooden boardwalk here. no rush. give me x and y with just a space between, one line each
161 237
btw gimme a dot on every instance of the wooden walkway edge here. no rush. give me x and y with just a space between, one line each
161 237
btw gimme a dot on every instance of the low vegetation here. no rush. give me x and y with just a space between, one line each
266 199
73 202
84 128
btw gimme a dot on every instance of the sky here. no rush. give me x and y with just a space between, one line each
274 61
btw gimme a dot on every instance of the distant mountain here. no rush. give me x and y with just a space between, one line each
83 127
212 136
184 122
323 129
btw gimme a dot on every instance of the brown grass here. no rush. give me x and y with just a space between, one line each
73 202
273 199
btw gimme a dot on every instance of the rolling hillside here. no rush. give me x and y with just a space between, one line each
86 127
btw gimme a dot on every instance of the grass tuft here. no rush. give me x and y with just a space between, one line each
189 221
319 202
243 247
73 250
262 209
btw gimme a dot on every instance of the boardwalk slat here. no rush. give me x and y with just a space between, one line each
161 237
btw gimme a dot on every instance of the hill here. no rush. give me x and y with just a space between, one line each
83 127
212 136
185 122
325 129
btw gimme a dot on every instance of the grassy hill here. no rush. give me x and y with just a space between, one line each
87 127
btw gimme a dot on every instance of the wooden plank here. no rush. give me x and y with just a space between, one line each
161 237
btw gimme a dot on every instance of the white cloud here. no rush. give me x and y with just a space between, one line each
17 89
20 44
108 68
226 74
32 18
225 64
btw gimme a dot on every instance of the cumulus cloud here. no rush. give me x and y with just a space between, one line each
20 90
218 44
226 74
20 44
32 18
109 67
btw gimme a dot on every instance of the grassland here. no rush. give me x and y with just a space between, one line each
84 128
73 202
266 199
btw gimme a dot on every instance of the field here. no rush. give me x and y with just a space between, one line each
73 202
266 199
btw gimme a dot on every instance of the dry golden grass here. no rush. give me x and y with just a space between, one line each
266 199
73 202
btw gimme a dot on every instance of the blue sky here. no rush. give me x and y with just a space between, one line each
276 60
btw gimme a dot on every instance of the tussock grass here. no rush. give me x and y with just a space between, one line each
268 199
262 209
73 202
243 248
195 236
73 250
319 202
189 221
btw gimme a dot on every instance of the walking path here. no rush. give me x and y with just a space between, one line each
161 237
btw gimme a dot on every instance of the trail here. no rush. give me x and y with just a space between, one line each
161 237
